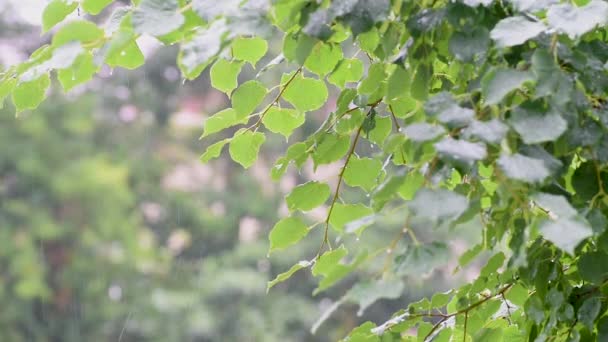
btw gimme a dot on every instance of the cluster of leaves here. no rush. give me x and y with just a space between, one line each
493 111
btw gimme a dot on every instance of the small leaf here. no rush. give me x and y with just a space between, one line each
249 49
460 151
283 120
81 71
328 261
307 196
592 267
557 206
200 49
516 30
287 232
576 21
224 75
343 214
28 95
128 56
220 121
588 312
438 205
423 131
323 58
157 17
536 127
214 150
499 82
244 147
523 168
348 70
306 93
363 172
493 264
286 275
56 11
78 30
566 233
492 131
247 97
331 148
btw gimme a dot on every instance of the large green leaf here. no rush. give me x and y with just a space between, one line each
343 214
28 95
306 93
224 75
199 50
566 233
244 147
247 97
516 30
307 196
499 82
535 126
367 293
363 172
576 21
523 168
283 120
55 11
287 232
249 49
460 151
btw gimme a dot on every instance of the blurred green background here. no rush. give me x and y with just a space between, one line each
112 230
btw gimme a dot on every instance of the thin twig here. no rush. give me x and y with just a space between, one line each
275 101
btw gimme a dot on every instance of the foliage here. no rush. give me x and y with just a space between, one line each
503 110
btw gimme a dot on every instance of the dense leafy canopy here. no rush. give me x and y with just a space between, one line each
491 113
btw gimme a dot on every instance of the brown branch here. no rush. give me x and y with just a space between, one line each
340 179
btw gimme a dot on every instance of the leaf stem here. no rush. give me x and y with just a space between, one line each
275 101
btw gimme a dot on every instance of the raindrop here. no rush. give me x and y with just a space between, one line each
367 195
371 145
123 53
399 129
183 81
111 72
357 239
389 251
73 78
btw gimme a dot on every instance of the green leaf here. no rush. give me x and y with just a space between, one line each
565 233
367 293
348 70
323 58
375 76
557 206
6 87
592 267
221 120
413 181
214 150
499 82
516 30
468 44
536 127
286 275
421 82
287 232
247 97
363 172
283 120
245 146
523 168
56 11
328 261
157 17
576 21
249 49
493 264
127 56
307 196
423 131
81 71
306 93
460 151
343 214
585 182
398 84
79 30
331 148
419 260
200 49
95 6
532 5
387 190
210 10
28 95
224 75
360 15
588 312
492 132
438 205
